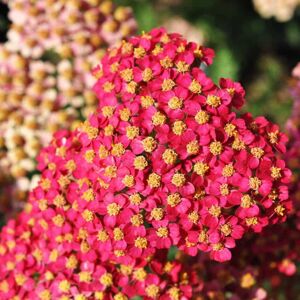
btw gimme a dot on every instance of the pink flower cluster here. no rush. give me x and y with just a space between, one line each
165 161
272 258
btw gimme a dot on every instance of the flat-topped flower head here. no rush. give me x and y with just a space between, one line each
169 175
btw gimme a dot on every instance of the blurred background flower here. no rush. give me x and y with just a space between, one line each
282 10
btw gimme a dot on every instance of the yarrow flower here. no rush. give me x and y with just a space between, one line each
44 74
163 163
71 28
282 10
272 258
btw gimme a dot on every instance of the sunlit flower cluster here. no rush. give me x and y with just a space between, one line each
45 81
282 10
164 163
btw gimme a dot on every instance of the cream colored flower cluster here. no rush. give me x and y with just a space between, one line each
281 10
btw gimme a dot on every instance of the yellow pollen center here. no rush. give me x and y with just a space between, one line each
174 199
88 215
72 262
158 119
64 286
59 201
157 213
139 52
213 100
246 201
182 66
119 253
108 111
224 189
202 117
169 156
132 132
193 217
106 279
147 75
140 274
216 148
254 183
58 220
215 210
45 295
195 87
230 129
178 127
152 290
131 87
166 62
147 101
125 114
85 276
128 181
279 210
120 296
192 147
135 199
228 170
218 247
226 229
251 221
89 155
110 171
88 195
167 85
4 287
113 209
102 236
108 130
103 152
154 180
140 162
108 87
141 242
149 144
118 234
162 232
257 152
174 293
127 74
137 220
175 103
117 149
275 172
238 144
178 179
273 137
201 168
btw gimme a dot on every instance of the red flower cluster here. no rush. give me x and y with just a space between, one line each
163 162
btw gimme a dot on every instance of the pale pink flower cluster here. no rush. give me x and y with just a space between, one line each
71 28
45 83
